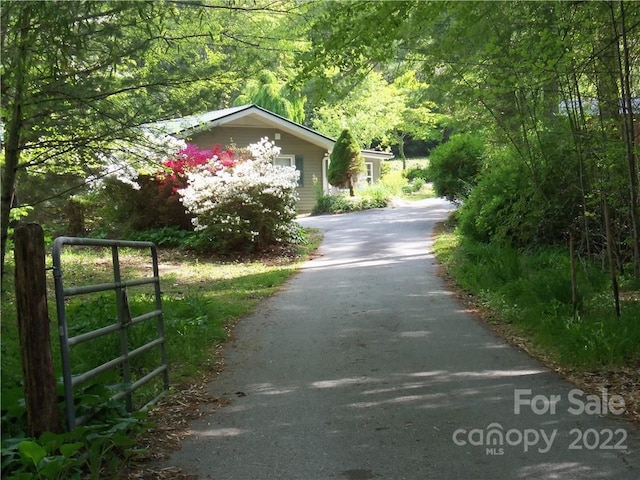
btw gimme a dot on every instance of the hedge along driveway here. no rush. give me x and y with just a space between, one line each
365 366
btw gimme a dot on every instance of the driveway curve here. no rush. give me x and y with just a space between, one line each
365 366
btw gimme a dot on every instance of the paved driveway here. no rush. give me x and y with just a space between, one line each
365 367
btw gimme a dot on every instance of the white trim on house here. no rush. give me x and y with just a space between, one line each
368 174
376 155
325 169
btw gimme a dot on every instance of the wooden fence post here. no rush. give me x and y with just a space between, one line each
41 400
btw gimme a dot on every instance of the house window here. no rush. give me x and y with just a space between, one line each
291 161
285 160
369 172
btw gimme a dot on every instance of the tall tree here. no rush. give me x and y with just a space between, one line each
420 117
268 92
370 111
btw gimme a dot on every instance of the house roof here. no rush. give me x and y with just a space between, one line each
249 116
245 115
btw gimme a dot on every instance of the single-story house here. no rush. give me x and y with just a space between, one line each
300 146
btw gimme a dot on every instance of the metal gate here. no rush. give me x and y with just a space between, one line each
123 322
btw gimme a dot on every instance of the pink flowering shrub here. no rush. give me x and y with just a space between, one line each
245 206
167 210
188 160
151 200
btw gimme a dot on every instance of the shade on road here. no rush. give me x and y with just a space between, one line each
366 367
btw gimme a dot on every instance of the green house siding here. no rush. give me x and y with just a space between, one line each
307 155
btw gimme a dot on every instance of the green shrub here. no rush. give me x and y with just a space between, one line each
455 164
413 173
393 183
373 196
532 290
413 187
377 195
385 168
346 162
165 236
498 208
337 204
117 210
507 207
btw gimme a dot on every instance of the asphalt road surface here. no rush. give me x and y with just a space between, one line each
365 366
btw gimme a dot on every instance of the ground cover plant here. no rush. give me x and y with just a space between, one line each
532 291
526 297
202 297
393 184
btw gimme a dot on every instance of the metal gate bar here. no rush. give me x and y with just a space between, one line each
124 321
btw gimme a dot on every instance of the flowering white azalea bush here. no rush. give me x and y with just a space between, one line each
246 206
126 160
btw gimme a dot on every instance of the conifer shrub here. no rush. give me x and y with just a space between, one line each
346 163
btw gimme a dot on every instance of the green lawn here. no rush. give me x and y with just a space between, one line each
421 162
201 299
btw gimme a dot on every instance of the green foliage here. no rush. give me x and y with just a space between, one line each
167 237
385 169
455 164
370 109
119 210
499 208
372 196
347 162
414 172
506 207
413 186
273 94
393 183
95 450
532 291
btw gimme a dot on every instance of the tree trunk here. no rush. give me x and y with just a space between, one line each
625 73
12 145
40 394
574 282
401 151
75 213
612 261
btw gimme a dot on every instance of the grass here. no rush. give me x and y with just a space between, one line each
421 162
378 195
201 299
531 291
426 191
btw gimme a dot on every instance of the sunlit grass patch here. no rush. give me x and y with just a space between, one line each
201 298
